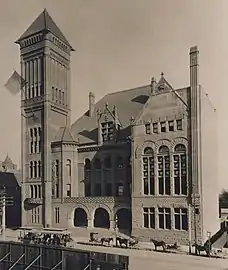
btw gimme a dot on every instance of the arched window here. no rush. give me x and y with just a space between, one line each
97 164
180 170
87 164
31 192
148 171
35 191
108 163
164 171
119 162
68 167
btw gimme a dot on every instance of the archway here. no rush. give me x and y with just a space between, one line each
101 218
124 220
80 218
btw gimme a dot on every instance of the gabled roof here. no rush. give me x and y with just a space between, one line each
128 104
64 135
163 85
8 161
41 23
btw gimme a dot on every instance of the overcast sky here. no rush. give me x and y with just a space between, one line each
119 45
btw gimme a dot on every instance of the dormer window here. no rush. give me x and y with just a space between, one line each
107 131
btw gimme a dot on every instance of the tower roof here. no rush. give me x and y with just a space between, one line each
41 23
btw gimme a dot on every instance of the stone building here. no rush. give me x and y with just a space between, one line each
143 154
10 182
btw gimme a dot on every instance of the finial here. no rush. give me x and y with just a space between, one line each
153 85
152 80
162 74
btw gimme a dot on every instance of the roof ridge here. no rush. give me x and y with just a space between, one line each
129 89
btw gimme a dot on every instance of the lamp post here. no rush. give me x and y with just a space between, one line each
4 202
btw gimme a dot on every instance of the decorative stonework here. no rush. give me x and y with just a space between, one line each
161 143
179 140
141 147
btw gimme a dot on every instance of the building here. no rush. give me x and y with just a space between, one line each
10 182
143 155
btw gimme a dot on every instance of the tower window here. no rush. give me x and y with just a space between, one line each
107 131
155 127
60 96
147 127
163 126
171 125
179 124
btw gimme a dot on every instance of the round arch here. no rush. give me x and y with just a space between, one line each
163 143
139 150
80 217
124 220
101 218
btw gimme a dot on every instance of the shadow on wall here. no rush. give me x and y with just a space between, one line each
11 182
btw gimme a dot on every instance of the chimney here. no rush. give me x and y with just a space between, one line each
195 120
91 103
153 85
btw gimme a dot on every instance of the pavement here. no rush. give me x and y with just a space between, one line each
146 259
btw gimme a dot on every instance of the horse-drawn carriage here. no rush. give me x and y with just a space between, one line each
117 240
46 237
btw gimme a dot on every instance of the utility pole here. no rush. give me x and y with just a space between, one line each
5 201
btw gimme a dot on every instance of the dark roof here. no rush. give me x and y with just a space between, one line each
10 180
41 23
128 104
64 135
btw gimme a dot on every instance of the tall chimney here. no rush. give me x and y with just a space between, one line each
195 120
91 103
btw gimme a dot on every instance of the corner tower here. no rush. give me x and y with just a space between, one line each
45 107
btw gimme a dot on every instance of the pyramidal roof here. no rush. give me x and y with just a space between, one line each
64 135
41 23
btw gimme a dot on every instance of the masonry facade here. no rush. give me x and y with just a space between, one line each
133 160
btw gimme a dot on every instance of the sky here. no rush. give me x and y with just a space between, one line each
119 45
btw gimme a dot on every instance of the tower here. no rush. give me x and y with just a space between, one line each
45 107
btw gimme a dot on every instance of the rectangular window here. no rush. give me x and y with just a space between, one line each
109 189
163 126
181 219
35 215
57 190
63 97
60 96
119 189
179 124
97 191
171 125
164 215
149 217
148 175
107 131
147 128
57 215
68 191
155 127
87 190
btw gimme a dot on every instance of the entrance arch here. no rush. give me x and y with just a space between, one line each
124 220
80 218
101 218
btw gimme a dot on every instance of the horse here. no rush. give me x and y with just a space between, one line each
133 241
200 248
122 241
174 246
158 244
107 240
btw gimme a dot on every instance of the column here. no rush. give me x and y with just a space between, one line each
171 174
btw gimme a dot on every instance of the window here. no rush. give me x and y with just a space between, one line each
97 190
147 127
39 191
107 131
57 215
31 140
180 170
171 125
155 127
39 139
31 191
35 169
57 168
53 92
68 167
60 96
119 163
163 126
149 217
148 171
108 162
31 169
163 171
119 189
179 124
97 164
57 190
87 190
164 215
36 215
68 191
109 189
87 175
181 219
39 168
63 97
56 94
